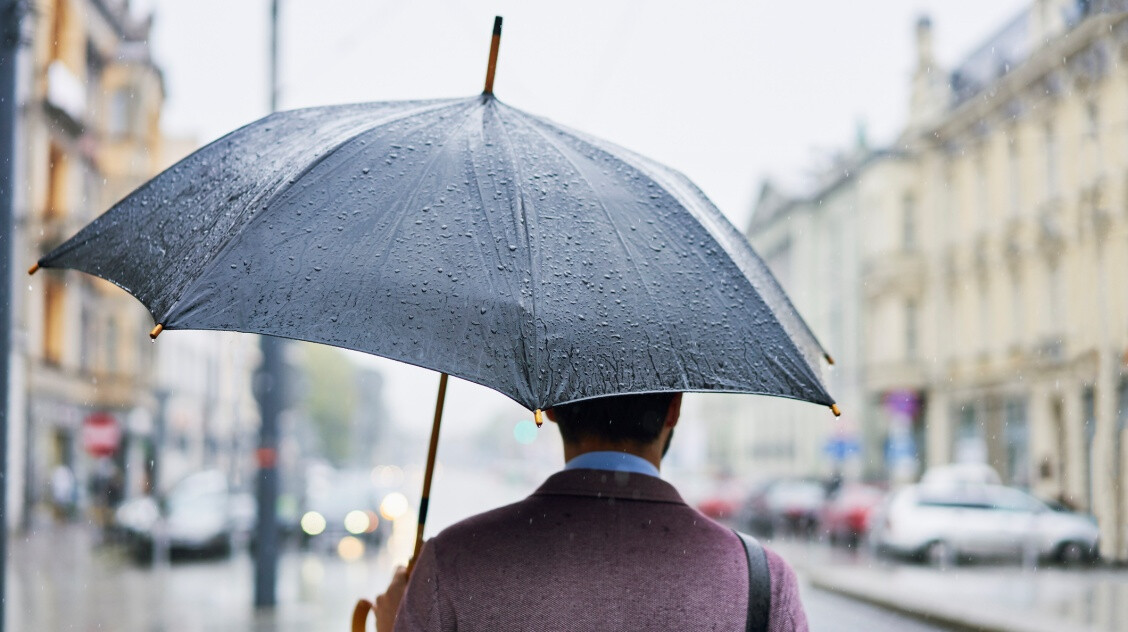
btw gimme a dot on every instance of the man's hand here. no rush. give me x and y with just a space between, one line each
388 603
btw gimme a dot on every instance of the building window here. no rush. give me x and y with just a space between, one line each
908 223
120 113
1017 312
53 326
88 359
1055 308
970 446
1017 433
1014 176
949 197
1051 156
984 318
1118 438
1093 139
911 329
982 199
58 166
1089 418
112 346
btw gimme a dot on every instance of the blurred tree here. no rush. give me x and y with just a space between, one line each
330 400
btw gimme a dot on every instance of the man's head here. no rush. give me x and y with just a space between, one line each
621 421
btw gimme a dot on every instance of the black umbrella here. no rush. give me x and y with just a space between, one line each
464 236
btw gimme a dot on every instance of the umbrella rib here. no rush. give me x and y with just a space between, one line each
662 173
285 186
528 240
618 235
423 172
811 372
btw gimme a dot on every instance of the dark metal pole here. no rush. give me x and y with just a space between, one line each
10 13
270 385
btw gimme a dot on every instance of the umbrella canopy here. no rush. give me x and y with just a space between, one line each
464 236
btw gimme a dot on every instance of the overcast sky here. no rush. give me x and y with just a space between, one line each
725 91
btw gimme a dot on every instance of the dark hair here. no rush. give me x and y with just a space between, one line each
635 418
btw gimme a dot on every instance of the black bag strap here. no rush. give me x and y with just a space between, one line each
759 584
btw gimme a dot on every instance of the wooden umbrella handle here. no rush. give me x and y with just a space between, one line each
360 614
429 472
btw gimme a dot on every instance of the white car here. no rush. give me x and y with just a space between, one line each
944 523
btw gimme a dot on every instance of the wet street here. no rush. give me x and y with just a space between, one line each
61 581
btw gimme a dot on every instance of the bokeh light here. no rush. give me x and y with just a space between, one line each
525 432
356 522
313 523
387 476
350 549
393 506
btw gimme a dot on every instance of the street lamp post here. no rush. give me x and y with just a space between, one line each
10 14
269 387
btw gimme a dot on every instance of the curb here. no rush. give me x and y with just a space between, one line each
930 610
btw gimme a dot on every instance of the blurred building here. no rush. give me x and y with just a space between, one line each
86 408
89 133
815 245
979 279
1016 287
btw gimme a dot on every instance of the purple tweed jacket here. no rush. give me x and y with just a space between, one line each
591 550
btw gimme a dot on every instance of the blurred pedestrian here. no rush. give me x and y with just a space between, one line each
63 492
605 544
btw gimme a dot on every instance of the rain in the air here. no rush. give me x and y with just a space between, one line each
587 316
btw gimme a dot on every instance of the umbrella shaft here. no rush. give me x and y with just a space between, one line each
495 42
429 472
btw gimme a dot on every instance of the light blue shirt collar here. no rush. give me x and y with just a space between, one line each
614 461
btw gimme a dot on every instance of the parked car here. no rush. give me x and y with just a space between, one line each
788 505
846 515
718 508
199 515
956 474
943 524
341 505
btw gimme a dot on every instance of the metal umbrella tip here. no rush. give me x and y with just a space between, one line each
156 331
836 410
829 360
33 269
538 416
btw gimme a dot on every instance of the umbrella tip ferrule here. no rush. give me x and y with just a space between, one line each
538 417
495 42
33 269
829 360
836 410
156 331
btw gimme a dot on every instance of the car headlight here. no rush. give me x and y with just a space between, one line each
313 523
356 522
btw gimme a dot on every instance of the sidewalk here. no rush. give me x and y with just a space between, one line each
976 597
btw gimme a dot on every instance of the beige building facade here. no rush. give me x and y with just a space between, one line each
89 132
1003 315
85 373
982 271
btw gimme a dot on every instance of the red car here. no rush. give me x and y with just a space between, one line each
846 515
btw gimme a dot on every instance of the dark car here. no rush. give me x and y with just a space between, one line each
342 510
787 505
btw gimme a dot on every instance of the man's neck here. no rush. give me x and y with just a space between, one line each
652 452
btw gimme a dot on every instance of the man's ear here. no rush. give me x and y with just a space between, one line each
673 413
551 414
